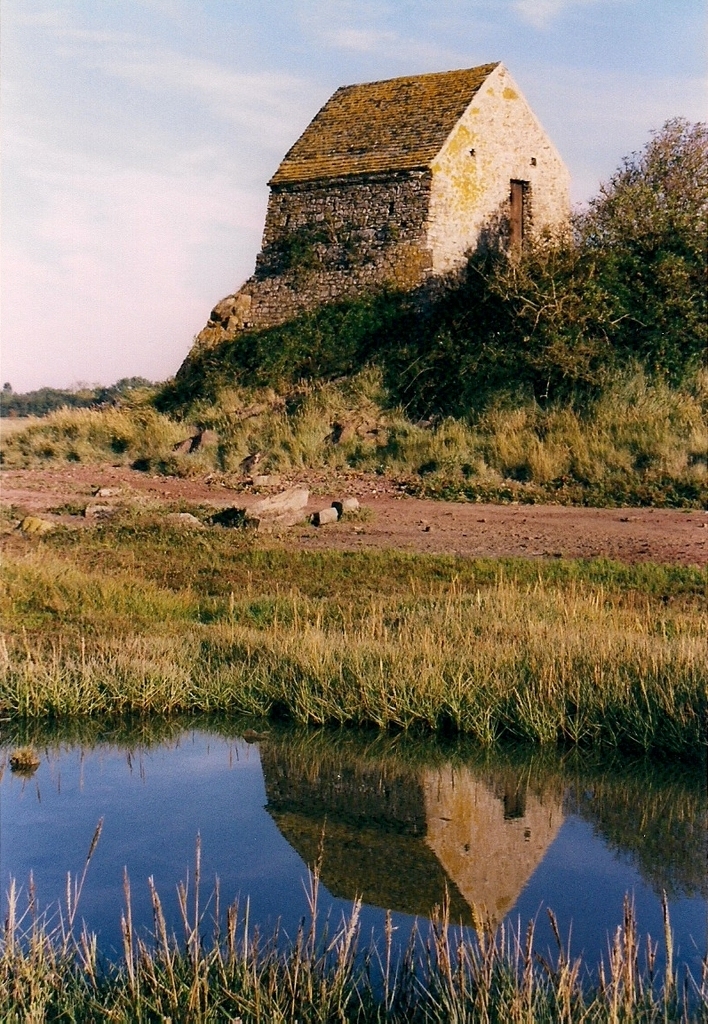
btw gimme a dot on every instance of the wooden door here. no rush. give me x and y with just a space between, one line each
517 213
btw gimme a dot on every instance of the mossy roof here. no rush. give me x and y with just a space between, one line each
395 125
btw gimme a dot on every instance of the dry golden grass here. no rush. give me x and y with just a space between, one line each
324 974
537 661
641 442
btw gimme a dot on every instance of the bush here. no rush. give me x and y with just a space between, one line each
46 400
648 232
119 436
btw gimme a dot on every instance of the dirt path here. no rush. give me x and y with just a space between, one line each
397 520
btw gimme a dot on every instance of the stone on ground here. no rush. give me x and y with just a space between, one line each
346 505
96 511
291 500
35 525
185 519
324 516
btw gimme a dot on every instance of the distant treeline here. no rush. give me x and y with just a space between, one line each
46 400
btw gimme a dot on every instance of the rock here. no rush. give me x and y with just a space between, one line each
233 307
185 519
96 511
346 505
284 509
35 525
106 492
292 500
265 480
270 524
324 516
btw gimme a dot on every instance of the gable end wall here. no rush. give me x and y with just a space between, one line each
332 240
470 194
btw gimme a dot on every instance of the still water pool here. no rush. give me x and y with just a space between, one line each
397 822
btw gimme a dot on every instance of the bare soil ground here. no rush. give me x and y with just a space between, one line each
394 519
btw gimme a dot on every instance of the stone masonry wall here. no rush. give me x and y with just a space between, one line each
328 241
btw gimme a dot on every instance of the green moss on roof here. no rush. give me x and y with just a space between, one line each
393 125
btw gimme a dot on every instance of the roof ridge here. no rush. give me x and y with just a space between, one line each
392 124
424 74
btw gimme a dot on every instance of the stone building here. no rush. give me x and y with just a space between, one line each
393 184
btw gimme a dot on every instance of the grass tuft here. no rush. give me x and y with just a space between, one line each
324 973
640 442
568 653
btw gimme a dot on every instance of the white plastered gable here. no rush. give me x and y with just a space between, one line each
498 139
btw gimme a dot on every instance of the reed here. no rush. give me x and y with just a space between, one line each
532 660
53 972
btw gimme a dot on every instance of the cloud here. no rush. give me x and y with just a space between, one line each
374 28
137 146
271 106
267 104
539 13
121 232
385 43
361 40
596 130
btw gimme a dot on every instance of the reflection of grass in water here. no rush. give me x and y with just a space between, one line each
660 827
131 732
652 812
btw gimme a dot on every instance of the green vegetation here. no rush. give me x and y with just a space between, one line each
557 323
324 974
24 761
94 436
572 373
46 400
140 619
638 443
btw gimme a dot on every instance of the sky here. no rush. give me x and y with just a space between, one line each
138 137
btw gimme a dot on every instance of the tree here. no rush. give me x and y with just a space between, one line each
629 282
648 232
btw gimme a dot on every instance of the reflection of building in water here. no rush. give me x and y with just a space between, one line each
489 834
400 837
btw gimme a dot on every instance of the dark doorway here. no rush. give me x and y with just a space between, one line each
514 800
517 213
